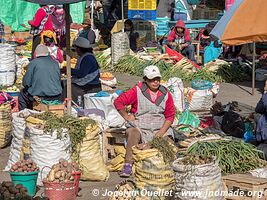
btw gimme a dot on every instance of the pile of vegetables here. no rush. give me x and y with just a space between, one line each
76 127
123 192
127 191
219 71
62 172
195 159
25 166
9 191
104 59
234 156
167 150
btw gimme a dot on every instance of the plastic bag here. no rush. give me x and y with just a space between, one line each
5 125
201 84
112 116
199 99
46 148
18 129
188 118
176 88
90 158
201 178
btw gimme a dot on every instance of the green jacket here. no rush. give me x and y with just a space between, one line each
43 77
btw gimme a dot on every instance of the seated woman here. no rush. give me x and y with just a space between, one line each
153 113
86 74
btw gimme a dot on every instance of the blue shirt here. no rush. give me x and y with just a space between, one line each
43 77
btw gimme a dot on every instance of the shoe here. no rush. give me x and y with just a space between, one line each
126 171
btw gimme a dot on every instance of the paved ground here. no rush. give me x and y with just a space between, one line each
229 92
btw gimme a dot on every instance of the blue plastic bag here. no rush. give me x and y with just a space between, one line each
198 84
102 94
248 135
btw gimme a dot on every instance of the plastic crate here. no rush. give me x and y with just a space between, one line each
142 25
142 14
142 4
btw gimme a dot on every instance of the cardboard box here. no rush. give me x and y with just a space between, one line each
57 109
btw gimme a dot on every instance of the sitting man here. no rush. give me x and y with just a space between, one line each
153 113
179 39
42 79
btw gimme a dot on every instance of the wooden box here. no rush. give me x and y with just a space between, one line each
111 137
58 109
248 187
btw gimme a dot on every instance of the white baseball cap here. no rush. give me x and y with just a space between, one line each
151 72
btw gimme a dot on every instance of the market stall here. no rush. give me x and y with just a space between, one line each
254 30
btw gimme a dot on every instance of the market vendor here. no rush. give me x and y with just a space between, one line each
87 32
133 36
86 74
48 38
152 115
42 79
42 21
180 40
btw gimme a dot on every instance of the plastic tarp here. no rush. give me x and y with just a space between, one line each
13 13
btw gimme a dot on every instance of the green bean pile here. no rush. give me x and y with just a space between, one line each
234 156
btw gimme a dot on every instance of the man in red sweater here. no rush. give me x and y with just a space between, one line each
42 21
179 39
152 114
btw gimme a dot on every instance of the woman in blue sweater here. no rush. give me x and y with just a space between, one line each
85 75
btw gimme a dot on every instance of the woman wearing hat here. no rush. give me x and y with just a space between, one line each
48 38
87 32
42 79
152 115
85 75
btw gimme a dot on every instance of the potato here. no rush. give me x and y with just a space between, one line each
67 177
58 174
20 169
51 176
63 174
7 184
18 186
61 160
14 167
65 164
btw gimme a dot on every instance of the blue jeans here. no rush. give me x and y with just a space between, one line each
189 52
